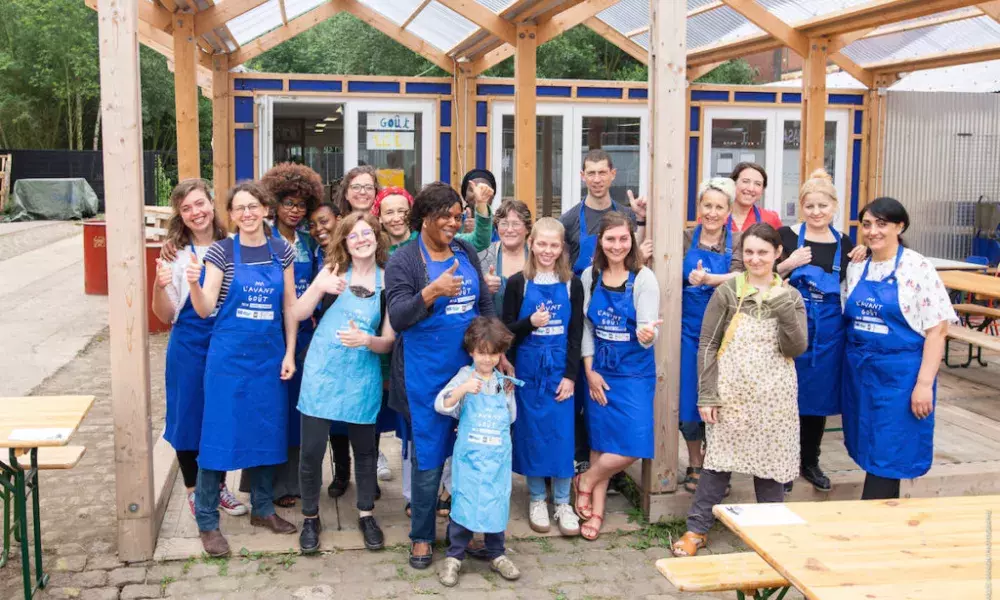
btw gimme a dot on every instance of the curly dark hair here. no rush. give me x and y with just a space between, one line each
290 180
434 200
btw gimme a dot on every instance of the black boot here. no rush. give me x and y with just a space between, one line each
814 475
372 534
309 538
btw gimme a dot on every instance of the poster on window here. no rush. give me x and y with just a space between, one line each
390 131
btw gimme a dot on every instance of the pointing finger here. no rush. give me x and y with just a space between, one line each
631 198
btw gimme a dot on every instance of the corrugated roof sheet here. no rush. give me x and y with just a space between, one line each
441 26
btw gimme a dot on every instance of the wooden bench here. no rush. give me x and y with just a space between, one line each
745 573
977 340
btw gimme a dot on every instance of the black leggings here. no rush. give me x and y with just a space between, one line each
188 460
340 445
362 438
879 488
811 435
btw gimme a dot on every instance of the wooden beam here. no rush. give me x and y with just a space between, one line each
155 15
638 31
416 12
936 61
990 9
484 17
284 15
411 41
222 165
463 130
186 97
705 8
300 24
525 110
218 15
121 113
492 59
611 34
858 72
813 123
570 18
667 211
695 73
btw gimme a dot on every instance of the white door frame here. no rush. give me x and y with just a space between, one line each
265 133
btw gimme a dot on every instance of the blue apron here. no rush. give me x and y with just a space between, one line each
246 402
694 301
498 296
625 425
588 243
543 433
732 224
481 465
880 371
304 272
185 375
340 383
820 367
433 353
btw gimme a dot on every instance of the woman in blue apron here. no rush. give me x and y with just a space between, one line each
297 191
708 262
622 307
249 280
193 226
433 287
543 308
481 464
896 316
508 255
342 379
815 262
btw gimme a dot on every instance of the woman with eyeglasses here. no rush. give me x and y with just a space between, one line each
250 285
506 257
751 181
357 190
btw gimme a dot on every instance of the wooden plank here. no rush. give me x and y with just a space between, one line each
769 22
41 412
813 124
186 97
222 164
416 12
298 25
218 15
975 283
570 18
284 15
463 124
156 16
937 60
484 17
694 73
976 338
525 105
128 322
611 34
411 41
667 208
720 572
990 9
60 458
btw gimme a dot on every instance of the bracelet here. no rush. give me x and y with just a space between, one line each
639 223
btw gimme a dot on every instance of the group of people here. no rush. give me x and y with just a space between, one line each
396 313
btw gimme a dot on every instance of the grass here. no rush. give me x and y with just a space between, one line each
188 564
164 583
222 563
654 535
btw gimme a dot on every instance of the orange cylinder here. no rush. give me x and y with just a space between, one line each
95 258
152 253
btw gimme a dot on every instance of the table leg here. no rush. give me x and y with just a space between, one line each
40 576
22 524
25 483
5 484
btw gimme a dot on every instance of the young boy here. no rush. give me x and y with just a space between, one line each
481 461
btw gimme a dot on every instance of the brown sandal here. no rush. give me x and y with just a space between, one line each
689 544
691 477
584 512
596 529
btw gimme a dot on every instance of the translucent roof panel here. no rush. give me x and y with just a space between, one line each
947 37
720 25
642 39
796 11
495 5
255 23
442 27
396 11
295 8
626 15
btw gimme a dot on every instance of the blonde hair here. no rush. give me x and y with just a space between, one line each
723 185
562 267
819 182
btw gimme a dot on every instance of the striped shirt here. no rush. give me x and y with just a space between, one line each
221 255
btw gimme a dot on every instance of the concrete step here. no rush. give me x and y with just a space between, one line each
18 238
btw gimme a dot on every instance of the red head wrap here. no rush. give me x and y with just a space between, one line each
386 192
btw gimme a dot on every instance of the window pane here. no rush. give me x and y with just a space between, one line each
390 142
790 158
548 161
313 135
619 137
735 141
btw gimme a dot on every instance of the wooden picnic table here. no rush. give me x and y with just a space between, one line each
945 264
883 549
973 283
27 424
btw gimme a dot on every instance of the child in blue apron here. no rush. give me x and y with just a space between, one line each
621 326
707 264
250 359
543 308
193 227
481 462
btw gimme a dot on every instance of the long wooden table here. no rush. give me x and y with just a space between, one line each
27 424
973 283
878 549
945 264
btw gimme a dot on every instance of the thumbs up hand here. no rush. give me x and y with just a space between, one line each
493 280
329 280
447 283
541 316
354 337
164 274
697 275
193 270
647 333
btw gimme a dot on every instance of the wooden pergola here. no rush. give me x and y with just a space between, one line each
197 37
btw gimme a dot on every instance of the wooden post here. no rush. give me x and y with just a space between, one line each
667 206
186 96
221 135
463 124
525 105
813 124
121 113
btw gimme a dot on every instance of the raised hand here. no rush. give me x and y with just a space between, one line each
483 193
647 333
329 280
646 250
638 205
353 337
473 385
541 316
697 275
164 274
193 270
493 280
447 283
168 251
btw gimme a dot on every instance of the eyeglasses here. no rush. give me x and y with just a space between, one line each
365 233
254 208
362 187
290 204
511 225
391 214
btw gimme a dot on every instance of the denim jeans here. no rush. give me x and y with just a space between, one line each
206 495
459 538
560 489
424 485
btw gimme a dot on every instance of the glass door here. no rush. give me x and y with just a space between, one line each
622 132
834 161
394 136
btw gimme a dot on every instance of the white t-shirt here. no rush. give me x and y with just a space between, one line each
923 299
179 290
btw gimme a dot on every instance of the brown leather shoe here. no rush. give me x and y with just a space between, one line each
214 543
274 523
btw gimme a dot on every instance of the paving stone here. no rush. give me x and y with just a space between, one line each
61 592
89 579
103 561
105 593
315 592
136 592
120 577
74 563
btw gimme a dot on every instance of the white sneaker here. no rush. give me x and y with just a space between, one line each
383 471
538 516
569 523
